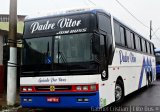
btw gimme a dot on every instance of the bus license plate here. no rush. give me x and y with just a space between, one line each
53 99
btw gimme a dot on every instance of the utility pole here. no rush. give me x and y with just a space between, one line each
150 35
12 69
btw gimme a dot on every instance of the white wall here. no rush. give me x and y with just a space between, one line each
1 50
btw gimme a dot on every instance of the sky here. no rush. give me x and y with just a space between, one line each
143 10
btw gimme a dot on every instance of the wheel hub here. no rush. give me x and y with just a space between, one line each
118 92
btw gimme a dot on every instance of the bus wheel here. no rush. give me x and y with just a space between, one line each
149 80
119 92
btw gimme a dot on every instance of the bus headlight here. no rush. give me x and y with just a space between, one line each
29 89
85 88
79 88
93 87
24 89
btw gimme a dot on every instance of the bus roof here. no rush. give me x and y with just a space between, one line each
67 13
84 11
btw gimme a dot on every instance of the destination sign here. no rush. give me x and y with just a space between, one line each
59 25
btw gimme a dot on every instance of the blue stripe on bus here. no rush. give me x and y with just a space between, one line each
66 101
151 67
146 67
141 75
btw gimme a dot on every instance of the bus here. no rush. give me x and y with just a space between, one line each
157 53
82 59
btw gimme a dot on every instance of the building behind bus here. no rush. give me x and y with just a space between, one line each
4 54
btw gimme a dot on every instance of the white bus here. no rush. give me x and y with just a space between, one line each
82 59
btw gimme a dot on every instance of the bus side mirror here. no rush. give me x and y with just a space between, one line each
96 44
6 53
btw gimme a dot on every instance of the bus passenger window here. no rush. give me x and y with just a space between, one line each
148 48
122 30
117 33
143 45
133 41
128 37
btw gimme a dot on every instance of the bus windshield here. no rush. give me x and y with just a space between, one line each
58 49
72 48
36 50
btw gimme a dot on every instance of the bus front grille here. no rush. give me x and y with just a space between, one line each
52 88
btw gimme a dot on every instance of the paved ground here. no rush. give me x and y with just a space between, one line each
147 96
145 100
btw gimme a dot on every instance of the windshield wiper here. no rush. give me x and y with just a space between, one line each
48 58
62 57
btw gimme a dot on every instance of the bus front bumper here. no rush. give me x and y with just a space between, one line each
60 100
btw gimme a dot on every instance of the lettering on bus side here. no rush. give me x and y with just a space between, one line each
43 80
62 23
126 58
66 22
72 31
51 80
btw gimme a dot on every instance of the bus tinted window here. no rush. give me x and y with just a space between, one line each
104 23
128 35
122 32
152 49
132 41
117 33
148 48
138 45
37 51
143 45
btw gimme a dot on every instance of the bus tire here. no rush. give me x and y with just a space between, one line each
119 92
149 80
